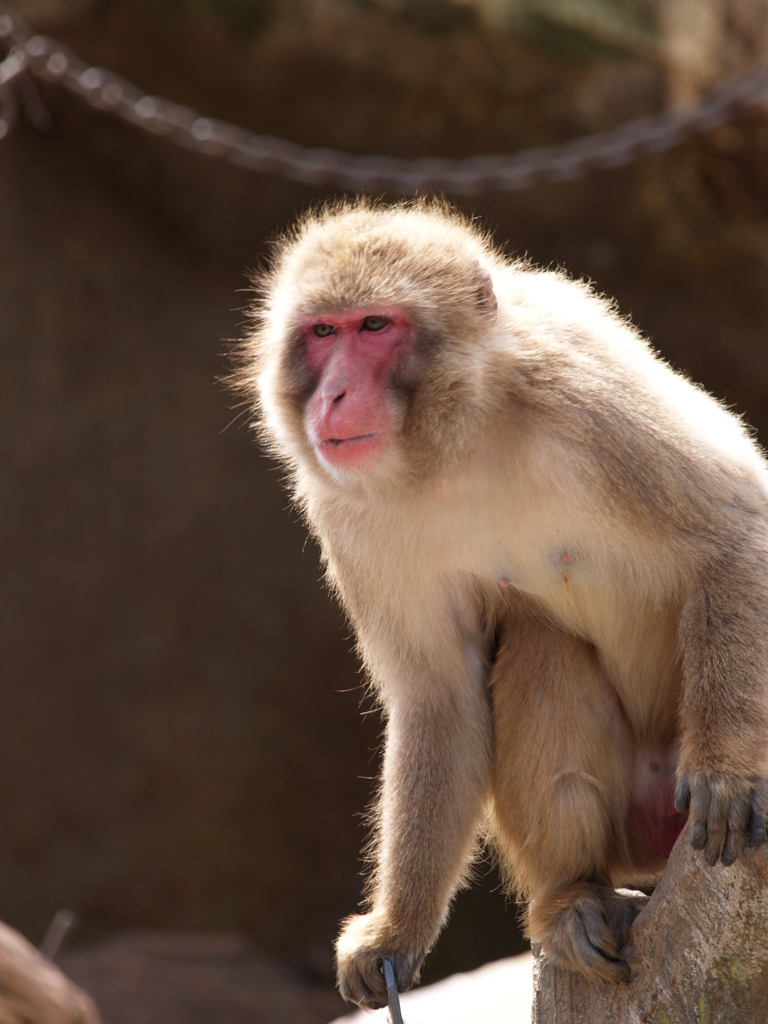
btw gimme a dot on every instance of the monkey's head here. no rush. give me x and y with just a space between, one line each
364 357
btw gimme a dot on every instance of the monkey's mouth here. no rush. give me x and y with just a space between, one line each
348 452
337 442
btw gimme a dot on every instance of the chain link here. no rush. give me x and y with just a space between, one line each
105 90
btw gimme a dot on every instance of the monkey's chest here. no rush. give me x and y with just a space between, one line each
550 573
560 576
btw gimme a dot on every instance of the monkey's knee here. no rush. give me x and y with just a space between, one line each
566 838
585 927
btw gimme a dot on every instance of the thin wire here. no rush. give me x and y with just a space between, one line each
393 997
63 921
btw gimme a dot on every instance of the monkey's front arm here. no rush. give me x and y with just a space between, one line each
723 767
435 780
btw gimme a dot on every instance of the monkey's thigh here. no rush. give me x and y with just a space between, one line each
561 783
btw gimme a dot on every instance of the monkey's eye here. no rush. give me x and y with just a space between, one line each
374 323
323 330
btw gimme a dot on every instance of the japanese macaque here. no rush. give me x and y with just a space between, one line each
554 552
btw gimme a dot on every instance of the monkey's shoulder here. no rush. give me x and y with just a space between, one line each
643 439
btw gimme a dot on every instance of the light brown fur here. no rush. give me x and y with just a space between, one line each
556 575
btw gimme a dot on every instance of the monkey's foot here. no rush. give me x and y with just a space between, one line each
725 810
363 942
585 927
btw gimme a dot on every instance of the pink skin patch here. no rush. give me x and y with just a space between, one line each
651 817
349 417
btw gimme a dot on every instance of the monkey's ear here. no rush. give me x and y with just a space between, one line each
486 299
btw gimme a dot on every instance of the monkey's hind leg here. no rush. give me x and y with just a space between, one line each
562 769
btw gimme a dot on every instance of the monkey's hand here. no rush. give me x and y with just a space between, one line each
725 810
360 948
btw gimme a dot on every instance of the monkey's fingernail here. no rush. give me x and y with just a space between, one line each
712 856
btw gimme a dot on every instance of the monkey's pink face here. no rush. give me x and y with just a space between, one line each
349 417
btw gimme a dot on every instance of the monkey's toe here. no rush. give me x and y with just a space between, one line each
585 928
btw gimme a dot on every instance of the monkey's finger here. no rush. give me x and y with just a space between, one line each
758 814
738 815
699 803
682 794
360 981
354 990
717 827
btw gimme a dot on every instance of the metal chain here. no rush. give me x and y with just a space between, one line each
105 90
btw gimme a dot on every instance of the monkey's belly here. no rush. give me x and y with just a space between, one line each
652 820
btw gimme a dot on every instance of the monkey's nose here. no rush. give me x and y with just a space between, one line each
332 401
332 393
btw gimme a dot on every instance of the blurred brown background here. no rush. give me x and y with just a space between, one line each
181 738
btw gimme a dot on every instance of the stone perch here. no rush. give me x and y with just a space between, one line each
698 949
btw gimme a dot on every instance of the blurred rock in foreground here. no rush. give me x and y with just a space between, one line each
164 977
34 991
